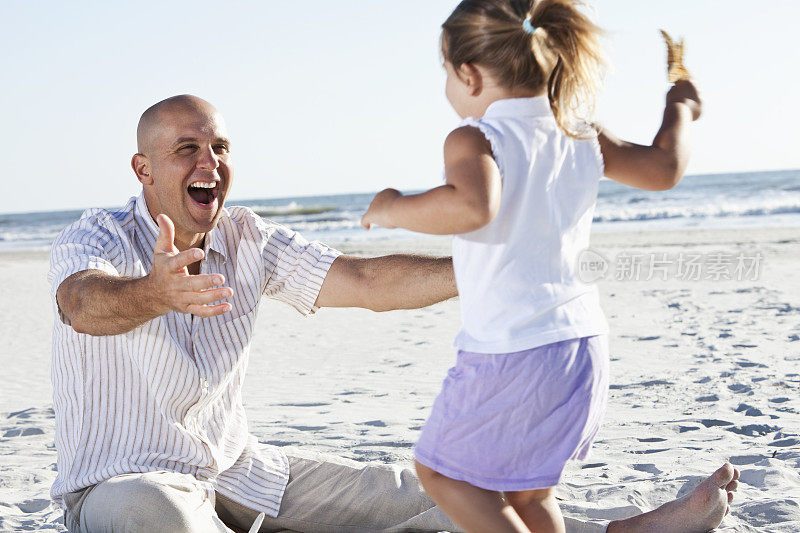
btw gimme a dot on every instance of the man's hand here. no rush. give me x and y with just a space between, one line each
97 303
685 92
379 209
173 288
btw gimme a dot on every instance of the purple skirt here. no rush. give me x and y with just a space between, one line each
510 422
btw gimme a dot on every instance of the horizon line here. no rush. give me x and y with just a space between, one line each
239 199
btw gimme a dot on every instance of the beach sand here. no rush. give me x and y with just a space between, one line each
703 371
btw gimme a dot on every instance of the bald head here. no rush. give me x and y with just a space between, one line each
156 116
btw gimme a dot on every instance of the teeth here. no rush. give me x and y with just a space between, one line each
203 185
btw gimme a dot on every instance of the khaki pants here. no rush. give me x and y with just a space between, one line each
324 494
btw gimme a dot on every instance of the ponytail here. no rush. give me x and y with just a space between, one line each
562 55
572 41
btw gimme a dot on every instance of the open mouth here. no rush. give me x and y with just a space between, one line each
203 192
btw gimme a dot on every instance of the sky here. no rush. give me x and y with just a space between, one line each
328 97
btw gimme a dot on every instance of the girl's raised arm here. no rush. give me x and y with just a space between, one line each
660 166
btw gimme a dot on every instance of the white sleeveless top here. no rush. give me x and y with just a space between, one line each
517 276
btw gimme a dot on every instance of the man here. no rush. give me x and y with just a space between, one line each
156 305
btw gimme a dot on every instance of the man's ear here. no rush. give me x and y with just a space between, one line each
472 77
141 167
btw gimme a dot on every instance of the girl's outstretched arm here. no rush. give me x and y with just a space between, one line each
660 166
468 201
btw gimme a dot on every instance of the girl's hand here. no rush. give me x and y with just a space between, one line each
378 211
685 92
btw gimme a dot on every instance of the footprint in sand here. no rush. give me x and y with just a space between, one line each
384 444
779 400
740 388
749 364
781 443
648 452
23 432
592 465
786 508
739 460
34 506
754 430
749 410
280 442
709 398
711 423
373 423
648 468
303 404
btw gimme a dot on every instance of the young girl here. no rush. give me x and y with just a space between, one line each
529 388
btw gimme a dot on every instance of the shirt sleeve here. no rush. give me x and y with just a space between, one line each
492 136
296 267
87 244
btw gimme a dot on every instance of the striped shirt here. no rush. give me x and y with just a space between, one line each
168 394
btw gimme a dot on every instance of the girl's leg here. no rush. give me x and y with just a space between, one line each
474 509
538 509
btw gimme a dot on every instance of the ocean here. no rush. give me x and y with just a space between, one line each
751 199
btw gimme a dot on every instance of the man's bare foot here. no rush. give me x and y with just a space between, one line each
698 512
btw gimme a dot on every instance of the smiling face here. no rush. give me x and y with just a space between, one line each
185 166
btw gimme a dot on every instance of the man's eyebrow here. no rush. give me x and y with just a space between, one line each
223 140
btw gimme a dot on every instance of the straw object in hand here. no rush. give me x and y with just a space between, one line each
675 68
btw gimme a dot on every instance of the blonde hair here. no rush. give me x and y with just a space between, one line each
562 55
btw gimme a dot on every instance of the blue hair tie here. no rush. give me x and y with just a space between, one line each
528 27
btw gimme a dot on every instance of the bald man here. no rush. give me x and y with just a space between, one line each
156 305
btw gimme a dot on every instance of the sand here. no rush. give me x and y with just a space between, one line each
703 371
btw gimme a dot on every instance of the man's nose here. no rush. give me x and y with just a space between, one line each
208 159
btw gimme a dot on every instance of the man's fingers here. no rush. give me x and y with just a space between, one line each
184 259
165 242
205 311
205 297
202 282
210 295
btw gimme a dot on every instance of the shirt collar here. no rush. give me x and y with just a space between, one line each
213 241
537 106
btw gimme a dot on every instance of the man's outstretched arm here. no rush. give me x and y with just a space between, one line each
388 282
97 303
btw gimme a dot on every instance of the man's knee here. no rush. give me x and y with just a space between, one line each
155 501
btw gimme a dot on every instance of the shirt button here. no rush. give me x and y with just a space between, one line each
205 385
